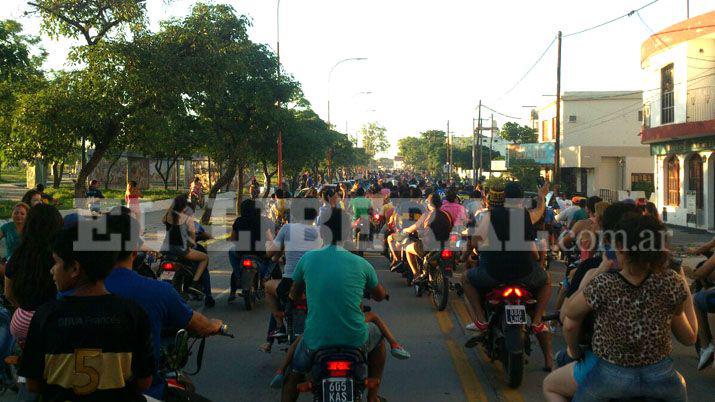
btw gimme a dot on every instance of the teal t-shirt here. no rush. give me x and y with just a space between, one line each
12 238
360 206
579 216
335 281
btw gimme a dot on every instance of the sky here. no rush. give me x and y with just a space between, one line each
429 62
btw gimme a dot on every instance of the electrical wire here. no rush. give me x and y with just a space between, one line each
502 114
628 14
538 60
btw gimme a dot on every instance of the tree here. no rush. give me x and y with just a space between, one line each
91 20
20 72
413 150
517 134
374 139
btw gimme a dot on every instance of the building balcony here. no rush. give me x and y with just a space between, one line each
701 104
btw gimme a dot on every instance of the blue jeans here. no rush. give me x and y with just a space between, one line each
656 382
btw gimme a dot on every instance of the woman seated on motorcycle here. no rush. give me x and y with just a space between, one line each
583 232
505 239
432 230
455 210
249 235
635 310
181 238
400 219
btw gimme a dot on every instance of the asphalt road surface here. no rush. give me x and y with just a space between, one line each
440 369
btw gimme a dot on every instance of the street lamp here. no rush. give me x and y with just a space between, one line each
330 76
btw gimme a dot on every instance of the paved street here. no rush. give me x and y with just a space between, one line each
440 369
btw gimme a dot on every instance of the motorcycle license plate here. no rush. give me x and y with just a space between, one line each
167 276
338 390
516 314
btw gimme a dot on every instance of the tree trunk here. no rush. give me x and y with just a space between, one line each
239 187
225 177
109 170
178 171
56 175
80 187
267 178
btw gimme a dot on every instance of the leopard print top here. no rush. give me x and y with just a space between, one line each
632 325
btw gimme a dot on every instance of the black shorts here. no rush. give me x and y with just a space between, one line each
480 279
283 290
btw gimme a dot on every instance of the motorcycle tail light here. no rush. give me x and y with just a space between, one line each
168 266
453 238
247 263
518 292
447 254
338 368
377 216
507 292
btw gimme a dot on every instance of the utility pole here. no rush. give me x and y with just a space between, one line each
280 131
474 153
687 5
479 141
491 146
557 145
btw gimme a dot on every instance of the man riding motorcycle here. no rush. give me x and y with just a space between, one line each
164 306
433 230
334 281
505 238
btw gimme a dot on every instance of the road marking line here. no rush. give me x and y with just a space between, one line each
507 394
470 382
461 309
445 323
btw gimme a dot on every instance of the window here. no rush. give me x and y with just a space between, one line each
640 115
667 96
672 183
642 178
572 118
695 178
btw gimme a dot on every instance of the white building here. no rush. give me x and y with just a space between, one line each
399 162
601 152
679 105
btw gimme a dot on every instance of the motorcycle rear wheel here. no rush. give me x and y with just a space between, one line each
513 368
439 287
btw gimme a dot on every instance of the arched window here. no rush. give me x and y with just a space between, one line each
695 178
672 181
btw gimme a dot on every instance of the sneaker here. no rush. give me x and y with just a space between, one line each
265 347
277 333
399 352
277 381
706 356
471 327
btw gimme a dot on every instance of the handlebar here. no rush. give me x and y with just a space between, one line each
224 331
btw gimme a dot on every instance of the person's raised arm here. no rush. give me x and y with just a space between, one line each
538 212
702 249
685 322
705 270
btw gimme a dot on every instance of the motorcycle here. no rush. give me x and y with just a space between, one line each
179 273
440 267
175 356
507 339
251 283
338 374
296 313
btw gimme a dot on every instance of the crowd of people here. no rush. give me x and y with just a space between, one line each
619 302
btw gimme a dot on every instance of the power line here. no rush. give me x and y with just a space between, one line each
538 60
628 14
502 114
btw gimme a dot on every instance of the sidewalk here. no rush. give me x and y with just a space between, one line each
689 237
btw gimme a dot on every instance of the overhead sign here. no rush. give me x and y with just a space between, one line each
541 153
683 146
